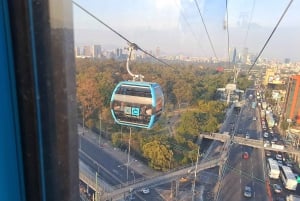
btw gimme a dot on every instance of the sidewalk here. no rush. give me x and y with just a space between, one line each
137 166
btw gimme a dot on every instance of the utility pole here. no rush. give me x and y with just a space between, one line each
82 120
195 175
97 187
100 127
128 152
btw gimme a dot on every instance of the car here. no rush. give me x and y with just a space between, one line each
278 157
275 139
245 155
248 192
289 164
254 118
129 197
279 199
145 190
268 153
267 143
247 136
183 179
266 134
277 188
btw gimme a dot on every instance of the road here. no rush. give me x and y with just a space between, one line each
240 172
113 171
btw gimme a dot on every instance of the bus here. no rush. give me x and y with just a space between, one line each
273 168
288 178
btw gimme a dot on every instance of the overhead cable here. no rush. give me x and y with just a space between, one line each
212 47
283 14
249 23
227 28
120 35
190 27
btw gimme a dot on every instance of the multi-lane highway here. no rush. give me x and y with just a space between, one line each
239 172
113 171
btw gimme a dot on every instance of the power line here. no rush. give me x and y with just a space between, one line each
190 27
249 23
283 14
120 35
227 28
212 47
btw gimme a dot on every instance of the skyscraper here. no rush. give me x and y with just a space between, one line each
77 51
157 51
292 105
96 51
245 55
87 51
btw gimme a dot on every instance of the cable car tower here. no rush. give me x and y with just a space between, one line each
232 86
136 103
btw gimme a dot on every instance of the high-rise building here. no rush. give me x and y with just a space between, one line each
157 51
245 56
292 105
96 51
87 51
287 60
77 51
119 52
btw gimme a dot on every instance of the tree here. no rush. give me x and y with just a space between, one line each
87 91
159 155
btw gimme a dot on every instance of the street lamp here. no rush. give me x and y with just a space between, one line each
82 109
132 172
171 155
100 127
128 153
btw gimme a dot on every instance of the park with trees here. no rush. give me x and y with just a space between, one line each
191 107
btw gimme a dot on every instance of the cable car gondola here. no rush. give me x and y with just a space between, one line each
137 103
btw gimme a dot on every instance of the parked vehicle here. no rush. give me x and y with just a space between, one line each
145 190
277 188
245 155
266 134
293 198
248 192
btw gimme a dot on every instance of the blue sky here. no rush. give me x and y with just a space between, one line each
175 26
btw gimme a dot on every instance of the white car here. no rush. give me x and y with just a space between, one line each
145 190
247 136
248 192
278 157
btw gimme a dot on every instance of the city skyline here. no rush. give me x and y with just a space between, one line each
176 27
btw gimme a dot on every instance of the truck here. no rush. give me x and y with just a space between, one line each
262 114
264 105
278 146
292 198
270 119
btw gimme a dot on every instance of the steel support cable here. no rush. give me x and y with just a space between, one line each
190 27
227 28
211 44
283 14
250 20
120 35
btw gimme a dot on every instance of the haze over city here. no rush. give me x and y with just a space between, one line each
176 27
